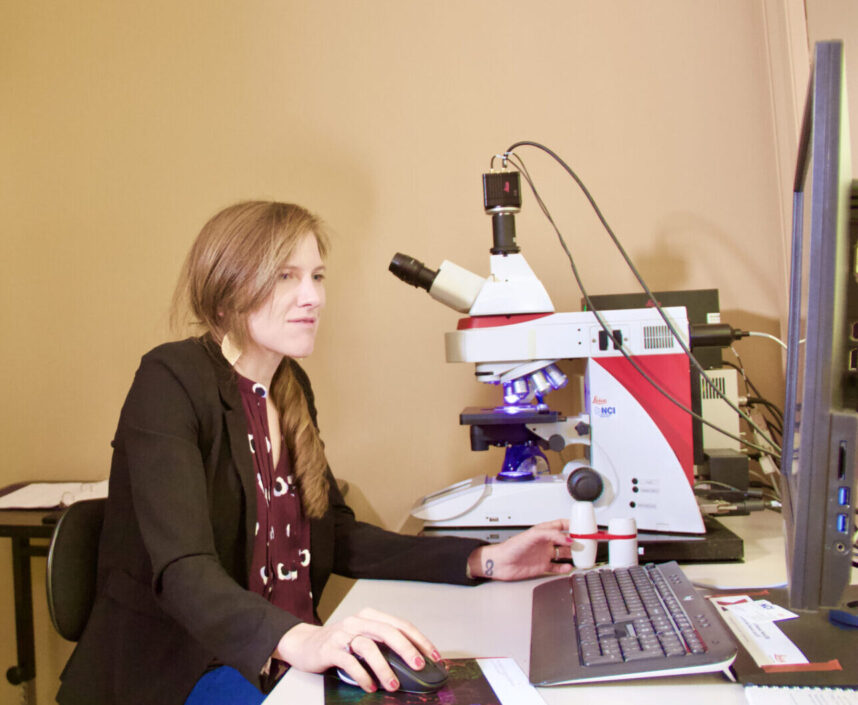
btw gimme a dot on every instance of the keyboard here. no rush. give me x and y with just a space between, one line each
623 623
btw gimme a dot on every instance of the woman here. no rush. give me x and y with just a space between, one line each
224 522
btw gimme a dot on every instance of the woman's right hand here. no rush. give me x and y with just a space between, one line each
312 648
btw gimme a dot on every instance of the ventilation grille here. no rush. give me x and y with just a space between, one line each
706 391
657 338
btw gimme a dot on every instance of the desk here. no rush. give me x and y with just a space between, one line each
22 526
493 619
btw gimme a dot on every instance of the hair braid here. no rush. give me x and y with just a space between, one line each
306 451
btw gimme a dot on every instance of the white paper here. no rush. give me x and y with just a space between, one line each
50 495
509 682
764 640
773 695
762 611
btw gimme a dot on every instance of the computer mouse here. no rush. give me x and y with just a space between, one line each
432 677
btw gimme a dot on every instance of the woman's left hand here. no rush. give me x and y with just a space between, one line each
526 555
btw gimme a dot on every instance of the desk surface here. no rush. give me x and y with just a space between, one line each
493 619
26 523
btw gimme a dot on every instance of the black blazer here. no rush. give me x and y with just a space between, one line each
176 546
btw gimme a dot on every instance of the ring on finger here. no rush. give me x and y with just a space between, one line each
348 646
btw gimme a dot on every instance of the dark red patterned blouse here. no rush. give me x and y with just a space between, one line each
280 568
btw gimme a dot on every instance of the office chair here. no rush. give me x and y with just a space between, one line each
72 563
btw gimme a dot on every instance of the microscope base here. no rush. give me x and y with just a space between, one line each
716 545
486 503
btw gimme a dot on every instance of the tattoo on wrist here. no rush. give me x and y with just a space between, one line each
490 567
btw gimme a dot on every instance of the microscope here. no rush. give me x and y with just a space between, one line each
639 448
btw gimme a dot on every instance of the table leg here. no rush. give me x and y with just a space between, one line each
24 673
27 695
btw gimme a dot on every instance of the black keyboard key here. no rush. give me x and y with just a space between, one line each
598 659
642 655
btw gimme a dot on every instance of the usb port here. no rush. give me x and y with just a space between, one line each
853 359
842 523
854 331
843 496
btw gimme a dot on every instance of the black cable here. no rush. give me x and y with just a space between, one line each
741 371
649 293
773 408
774 427
776 410
714 486
517 161
520 164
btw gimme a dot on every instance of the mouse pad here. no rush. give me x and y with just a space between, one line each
466 685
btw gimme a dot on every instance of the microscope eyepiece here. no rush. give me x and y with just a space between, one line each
412 271
452 285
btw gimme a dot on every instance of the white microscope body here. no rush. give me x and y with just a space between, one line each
640 443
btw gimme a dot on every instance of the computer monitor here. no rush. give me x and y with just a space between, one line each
818 459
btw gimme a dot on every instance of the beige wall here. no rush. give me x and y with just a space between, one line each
125 125
838 19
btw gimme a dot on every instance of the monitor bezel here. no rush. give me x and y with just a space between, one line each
819 556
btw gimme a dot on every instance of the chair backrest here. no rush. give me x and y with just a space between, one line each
72 567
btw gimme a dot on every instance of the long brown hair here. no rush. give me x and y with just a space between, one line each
231 270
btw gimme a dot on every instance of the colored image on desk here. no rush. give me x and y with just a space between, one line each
466 686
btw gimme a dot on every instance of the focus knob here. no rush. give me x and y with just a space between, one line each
585 485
